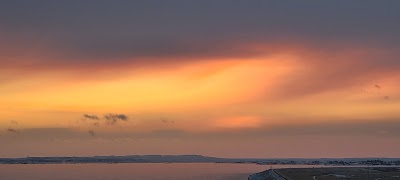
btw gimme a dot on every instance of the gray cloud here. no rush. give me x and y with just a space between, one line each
90 117
167 121
112 119
91 32
12 130
92 133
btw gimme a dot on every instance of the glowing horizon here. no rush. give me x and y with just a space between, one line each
108 87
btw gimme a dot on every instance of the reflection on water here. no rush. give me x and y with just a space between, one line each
139 171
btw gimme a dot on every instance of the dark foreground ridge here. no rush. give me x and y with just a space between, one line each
267 175
197 159
352 173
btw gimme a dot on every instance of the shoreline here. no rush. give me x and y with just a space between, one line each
204 159
322 173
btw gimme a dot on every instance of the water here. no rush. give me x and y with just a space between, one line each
135 171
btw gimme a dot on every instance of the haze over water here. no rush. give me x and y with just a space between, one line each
137 171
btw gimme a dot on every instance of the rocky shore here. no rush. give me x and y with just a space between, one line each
266 175
328 173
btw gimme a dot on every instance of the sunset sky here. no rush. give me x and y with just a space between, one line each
217 78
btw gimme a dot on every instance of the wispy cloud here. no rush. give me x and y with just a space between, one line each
97 43
92 133
90 117
112 119
12 130
13 122
109 119
167 121
386 98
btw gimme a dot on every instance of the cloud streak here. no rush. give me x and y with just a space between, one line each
109 119
90 117
112 119
12 130
167 121
14 122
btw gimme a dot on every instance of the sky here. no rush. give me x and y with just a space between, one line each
218 78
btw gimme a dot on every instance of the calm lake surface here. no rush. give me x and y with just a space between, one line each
139 171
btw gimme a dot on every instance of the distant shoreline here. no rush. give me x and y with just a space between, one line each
203 159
